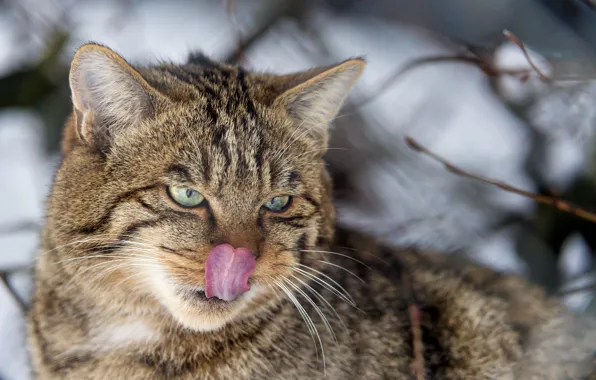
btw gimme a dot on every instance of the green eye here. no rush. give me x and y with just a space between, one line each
278 204
185 197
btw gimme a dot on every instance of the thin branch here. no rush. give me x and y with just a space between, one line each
483 62
544 77
578 289
26 226
274 11
19 301
548 200
390 81
231 11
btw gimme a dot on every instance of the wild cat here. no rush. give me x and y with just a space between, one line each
190 235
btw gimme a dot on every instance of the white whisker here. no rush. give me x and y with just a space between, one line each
314 305
336 253
340 267
308 320
325 285
319 296
330 279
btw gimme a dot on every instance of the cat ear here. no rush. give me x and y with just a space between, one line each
313 103
108 94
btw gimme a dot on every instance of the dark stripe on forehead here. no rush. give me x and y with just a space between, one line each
243 88
207 90
294 179
196 73
212 113
220 141
275 173
206 164
242 150
259 158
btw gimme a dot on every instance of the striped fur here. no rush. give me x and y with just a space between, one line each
121 263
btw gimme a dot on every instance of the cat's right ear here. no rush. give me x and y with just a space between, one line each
108 95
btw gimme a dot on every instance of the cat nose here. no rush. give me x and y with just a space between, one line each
243 240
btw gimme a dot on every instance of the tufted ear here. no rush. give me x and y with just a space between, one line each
108 95
314 102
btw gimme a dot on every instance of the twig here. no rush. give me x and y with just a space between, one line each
231 11
552 201
577 289
520 44
27 226
390 81
483 62
19 301
275 10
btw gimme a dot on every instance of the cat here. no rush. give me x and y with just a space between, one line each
190 235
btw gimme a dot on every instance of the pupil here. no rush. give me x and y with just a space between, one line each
189 193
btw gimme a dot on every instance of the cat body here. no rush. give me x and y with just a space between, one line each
190 235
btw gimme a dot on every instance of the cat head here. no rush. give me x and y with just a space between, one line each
200 186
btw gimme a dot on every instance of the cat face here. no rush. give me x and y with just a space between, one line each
206 185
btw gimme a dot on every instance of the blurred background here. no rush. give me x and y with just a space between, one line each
442 72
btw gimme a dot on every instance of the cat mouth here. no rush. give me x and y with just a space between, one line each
199 295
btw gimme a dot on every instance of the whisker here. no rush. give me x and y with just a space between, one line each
340 267
96 238
315 306
104 263
317 150
110 256
128 278
109 270
320 296
330 279
336 253
297 303
325 285
364 252
302 312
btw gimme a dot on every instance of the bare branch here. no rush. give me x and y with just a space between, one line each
483 62
231 11
578 289
548 200
14 228
390 81
544 77
19 301
274 11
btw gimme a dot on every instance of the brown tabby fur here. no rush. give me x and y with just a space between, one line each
118 254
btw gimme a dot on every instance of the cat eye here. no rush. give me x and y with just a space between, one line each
185 196
278 204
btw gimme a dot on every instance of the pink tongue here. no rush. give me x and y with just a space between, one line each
227 271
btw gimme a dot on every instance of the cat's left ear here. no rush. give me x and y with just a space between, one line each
313 103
